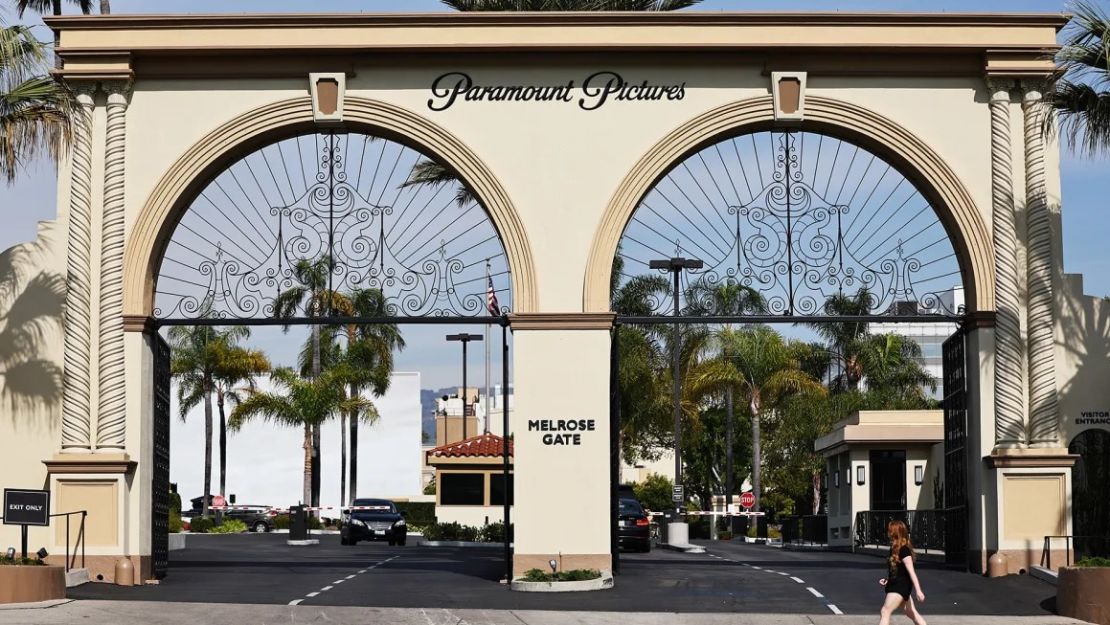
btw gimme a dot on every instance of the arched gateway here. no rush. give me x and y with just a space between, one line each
561 150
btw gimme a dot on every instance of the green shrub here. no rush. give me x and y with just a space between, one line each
430 489
282 522
451 531
418 512
574 575
175 503
201 524
6 561
1093 561
175 521
229 526
654 493
494 533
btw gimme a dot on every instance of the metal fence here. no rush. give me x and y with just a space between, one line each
927 528
1075 549
807 529
78 543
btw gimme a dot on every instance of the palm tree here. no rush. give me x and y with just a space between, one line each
891 364
31 308
312 295
765 370
368 357
1079 95
429 172
304 403
194 365
234 366
34 108
844 337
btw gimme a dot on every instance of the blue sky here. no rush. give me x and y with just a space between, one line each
1085 184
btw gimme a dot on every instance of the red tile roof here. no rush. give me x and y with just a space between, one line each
482 446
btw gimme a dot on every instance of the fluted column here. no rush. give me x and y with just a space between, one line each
1044 424
1009 397
111 414
76 410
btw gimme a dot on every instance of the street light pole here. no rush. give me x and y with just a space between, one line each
675 266
464 338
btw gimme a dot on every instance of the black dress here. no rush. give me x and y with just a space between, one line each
898 579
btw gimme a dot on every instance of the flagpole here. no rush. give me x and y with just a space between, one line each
487 398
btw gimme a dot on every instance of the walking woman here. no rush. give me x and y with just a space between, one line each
901 578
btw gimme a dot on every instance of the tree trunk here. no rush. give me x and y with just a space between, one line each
223 442
342 459
756 462
816 492
353 479
307 464
207 450
105 7
316 366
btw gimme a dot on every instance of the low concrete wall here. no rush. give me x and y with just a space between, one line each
177 542
1084 593
30 584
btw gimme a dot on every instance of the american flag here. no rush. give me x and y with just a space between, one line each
491 299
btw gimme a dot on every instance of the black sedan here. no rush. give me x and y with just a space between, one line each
373 519
635 526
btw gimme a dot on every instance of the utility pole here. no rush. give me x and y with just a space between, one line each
465 339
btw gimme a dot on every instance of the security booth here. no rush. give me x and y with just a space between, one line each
878 463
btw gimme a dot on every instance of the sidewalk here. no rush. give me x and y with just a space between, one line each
146 613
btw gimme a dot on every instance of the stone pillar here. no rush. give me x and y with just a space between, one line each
1009 395
112 414
561 440
1044 425
76 409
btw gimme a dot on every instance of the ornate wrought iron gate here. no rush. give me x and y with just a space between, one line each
955 449
160 481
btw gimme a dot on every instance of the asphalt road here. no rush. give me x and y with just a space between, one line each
262 569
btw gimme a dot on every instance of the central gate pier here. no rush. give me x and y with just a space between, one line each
582 139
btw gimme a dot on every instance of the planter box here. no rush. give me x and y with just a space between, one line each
1084 593
29 584
602 583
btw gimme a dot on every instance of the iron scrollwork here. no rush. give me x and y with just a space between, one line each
237 248
805 232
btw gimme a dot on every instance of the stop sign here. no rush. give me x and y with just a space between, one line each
747 500
219 502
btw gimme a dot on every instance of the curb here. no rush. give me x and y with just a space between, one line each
685 548
604 582
76 577
1045 575
302 543
37 605
460 543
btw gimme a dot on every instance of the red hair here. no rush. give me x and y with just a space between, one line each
899 537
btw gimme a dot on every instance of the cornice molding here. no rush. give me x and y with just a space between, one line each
1031 461
138 323
90 464
562 321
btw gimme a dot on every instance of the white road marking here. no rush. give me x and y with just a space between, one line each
349 577
312 594
800 581
835 610
770 571
362 571
783 574
339 581
756 568
296 602
814 592
327 588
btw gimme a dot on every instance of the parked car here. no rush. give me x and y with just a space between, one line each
257 518
634 531
373 519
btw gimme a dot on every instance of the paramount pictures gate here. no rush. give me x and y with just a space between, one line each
737 166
